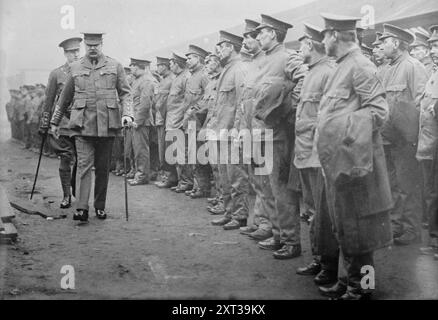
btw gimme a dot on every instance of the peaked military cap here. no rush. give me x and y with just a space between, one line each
434 36
161 60
395 32
420 40
377 41
139 62
250 27
178 59
225 36
93 38
71 44
366 49
338 22
312 32
270 22
197 50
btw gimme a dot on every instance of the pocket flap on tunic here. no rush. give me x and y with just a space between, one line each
80 104
396 87
311 96
339 93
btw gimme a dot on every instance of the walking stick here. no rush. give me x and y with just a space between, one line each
43 140
124 170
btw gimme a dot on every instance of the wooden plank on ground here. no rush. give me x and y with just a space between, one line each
6 212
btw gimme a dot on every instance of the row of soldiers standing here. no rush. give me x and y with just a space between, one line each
355 141
24 115
344 136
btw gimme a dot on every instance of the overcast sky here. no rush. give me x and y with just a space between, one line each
31 30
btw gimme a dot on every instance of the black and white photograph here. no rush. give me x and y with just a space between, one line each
241 151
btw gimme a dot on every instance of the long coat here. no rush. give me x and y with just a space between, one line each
353 109
94 91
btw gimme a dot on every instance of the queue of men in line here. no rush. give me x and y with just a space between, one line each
352 142
24 115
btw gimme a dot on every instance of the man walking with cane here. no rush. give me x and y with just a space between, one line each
93 86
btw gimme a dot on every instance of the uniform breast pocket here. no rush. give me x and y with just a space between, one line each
397 93
337 99
77 114
108 78
81 79
226 93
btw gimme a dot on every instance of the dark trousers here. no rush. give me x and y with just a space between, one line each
93 151
161 134
322 238
129 149
286 216
171 168
64 147
118 152
430 176
407 213
264 204
185 171
350 269
141 142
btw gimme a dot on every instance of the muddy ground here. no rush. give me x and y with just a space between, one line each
168 249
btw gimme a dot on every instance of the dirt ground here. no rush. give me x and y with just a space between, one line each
168 249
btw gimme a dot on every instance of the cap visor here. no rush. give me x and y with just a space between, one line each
93 42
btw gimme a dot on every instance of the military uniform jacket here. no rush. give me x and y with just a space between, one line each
245 110
404 82
428 136
203 109
353 110
161 96
229 91
306 155
428 65
143 89
55 84
175 102
93 91
195 89
276 91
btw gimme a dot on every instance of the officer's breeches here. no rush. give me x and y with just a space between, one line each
93 151
141 142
